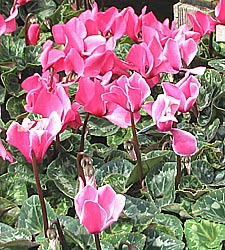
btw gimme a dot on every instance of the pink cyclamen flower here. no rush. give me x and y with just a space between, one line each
97 209
34 135
186 90
163 111
219 12
128 94
33 33
184 143
45 96
5 155
202 23
89 94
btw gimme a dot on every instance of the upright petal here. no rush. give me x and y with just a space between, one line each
93 217
184 143
87 193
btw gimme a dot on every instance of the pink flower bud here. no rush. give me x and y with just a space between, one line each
97 209
33 33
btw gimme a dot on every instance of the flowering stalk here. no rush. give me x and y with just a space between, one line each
83 132
40 193
80 156
60 232
97 242
178 176
136 147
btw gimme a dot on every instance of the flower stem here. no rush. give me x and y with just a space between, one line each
97 242
83 132
80 156
178 176
211 44
40 193
60 232
136 148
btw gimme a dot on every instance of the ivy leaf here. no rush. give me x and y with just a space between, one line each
15 107
11 50
117 182
101 127
2 94
31 215
218 64
13 188
160 182
11 238
211 206
203 170
162 241
149 160
63 172
204 234
9 212
75 232
42 8
171 222
122 167
139 209
11 82
132 238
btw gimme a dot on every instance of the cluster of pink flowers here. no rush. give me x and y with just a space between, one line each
84 51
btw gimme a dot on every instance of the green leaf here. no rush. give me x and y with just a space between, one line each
17 239
31 215
204 234
203 170
211 206
122 50
117 166
72 144
160 182
2 94
11 82
211 129
101 127
42 8
149 160
161 241
218 64
121 226
11 50
9 212
171 222
132 238
13 188
119 137
178 209
75 232
137 209
63 172
117 182
15 107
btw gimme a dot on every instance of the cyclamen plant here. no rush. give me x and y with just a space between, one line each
82 55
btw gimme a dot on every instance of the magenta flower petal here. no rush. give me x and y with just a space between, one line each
219 11
33 33
184 143
93 217
106 199
5 154
87 193
119 203
2 25
18 136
